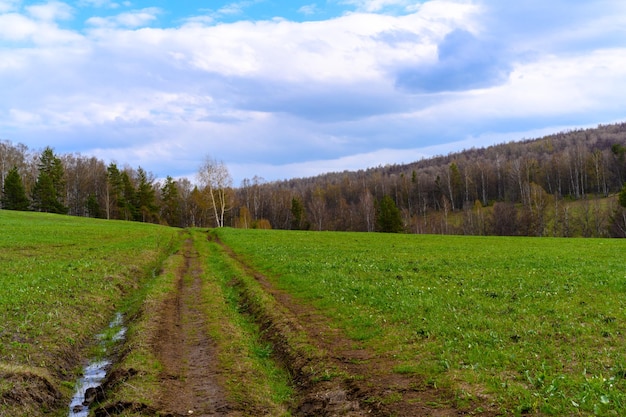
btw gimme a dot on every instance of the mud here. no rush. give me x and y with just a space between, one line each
89 387
190 377
30 392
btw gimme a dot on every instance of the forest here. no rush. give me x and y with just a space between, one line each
566 184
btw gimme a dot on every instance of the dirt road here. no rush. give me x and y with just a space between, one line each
331 375
190 377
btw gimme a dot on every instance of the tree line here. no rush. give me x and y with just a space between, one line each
566 184
81 185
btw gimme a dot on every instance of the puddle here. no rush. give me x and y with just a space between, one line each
96 370
118 324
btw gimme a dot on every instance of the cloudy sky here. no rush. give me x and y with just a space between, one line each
288 88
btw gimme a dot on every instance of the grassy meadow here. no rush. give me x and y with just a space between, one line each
533 325
61 280
528 325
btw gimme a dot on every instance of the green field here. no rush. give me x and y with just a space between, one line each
521 325
61 280
534 325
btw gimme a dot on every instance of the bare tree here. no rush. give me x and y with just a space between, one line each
216 179
317 207
368 210
12 156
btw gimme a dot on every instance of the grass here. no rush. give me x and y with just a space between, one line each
253 377
140 367
536 325
64 275
532 325
61 279
252 382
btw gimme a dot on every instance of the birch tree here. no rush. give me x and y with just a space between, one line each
217 182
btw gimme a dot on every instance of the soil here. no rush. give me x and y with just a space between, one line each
190 377
29 392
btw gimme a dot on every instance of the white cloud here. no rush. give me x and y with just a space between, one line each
131 20
308 9
373 6
344 49
51 11
19 28
231 9
236 8
15 27
9 5
107 4
292 99
556 85
20 117
199 21
11 62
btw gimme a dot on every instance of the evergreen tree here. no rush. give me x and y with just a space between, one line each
128 202
146 198
115 192
14 195
388 216
50 185
297 213
44 194
170 206
93 207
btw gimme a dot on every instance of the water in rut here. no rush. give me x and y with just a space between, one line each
94 373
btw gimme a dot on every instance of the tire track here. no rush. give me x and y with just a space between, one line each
190 377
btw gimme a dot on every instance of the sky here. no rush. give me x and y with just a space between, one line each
282 89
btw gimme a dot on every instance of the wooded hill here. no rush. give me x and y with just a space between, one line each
558 185
565 184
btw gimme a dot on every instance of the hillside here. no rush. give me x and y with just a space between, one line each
526 186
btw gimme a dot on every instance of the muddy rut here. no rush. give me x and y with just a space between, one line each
190 377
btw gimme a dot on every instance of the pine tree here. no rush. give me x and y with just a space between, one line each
297 213
170 206
388 216
115 192
146 198
50 185
129 198
14 195
93 206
